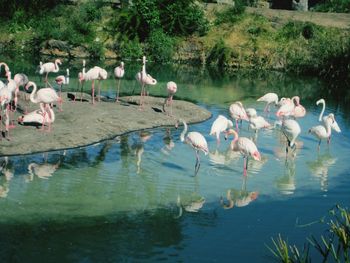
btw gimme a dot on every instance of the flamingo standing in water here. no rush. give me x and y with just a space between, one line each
256 122
119 73
197 141
323 131
44 97
221 124
334 125
144 79
291 129
171 88
299 110
96 73
238 112
245 146
38 117
62 80
269 98
49 67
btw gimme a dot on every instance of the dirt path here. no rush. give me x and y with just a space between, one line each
81 123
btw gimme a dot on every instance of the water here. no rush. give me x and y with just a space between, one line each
118 200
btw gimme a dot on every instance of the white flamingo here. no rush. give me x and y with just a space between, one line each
291 129
197 141
299 110
119 73
49 67
6 95
96 73
323 132
286 108
238 112
221 124
258 122
21 80
334 125
171 88
245 146
144 79
38 117
62 80
269 98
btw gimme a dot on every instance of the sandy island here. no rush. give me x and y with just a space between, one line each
81 123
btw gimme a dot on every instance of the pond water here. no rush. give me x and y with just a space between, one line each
120 200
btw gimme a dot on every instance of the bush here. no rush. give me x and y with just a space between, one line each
129 49
160 46
230 15
219 55
337 6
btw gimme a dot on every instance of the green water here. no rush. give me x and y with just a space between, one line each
118 200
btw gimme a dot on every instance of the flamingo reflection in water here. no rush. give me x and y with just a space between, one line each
320 168
168 142
139 148
238 198
6 170
286 183
191 204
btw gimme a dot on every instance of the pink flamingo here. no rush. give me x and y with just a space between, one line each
238 112
62 80
196 141
269 98
38 117
49 67
299 110
221 124
245 146
21 80
96 73
119 73
6 96
286 109
256 122
44 96
291 129
171 88
323 131
144 79
334 125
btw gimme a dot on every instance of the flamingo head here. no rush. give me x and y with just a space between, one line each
320 101
80 77
8 74
296 100
29 84
20 119
144 59
256 156
67 70
58 61
254 195
84 62
122 65
233 132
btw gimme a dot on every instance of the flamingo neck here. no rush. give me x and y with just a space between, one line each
182 135
32 95
56 65
323 108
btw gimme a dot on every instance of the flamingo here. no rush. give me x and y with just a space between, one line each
334 125
221 124
144 79
269 98
49 67
257 122
286 108
43 96
238 112
81 81
171 88
299 110
62 80
245 146
21 80
38 117
96 73
119 73
197 141
2 84
291 129
323 131
6 95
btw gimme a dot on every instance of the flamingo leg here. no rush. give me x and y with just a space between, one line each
93 91
237 126
141 96
244 166
329 140
171 106
7 123
118 88
46 81
319 145
198 164
81 91
99 91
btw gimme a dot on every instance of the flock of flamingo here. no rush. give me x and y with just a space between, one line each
289 109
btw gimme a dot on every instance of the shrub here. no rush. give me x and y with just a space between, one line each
220 54
337 6
129 49
160 46
230 15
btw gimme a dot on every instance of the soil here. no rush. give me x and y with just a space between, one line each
81 123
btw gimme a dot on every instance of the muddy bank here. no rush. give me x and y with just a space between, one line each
81 123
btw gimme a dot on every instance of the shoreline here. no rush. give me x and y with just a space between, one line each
82 124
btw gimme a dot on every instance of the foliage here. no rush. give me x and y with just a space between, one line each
337 6
160 46
219 55
294 30
230 15
129 49
175 18
334 246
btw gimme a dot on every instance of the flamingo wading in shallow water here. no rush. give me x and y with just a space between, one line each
245 146
238 112
291 129
221 124
269 98
119 73
323 131
171 88
334 125
144 79
196 141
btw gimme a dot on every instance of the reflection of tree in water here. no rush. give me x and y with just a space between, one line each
286 183
238 198
320 168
